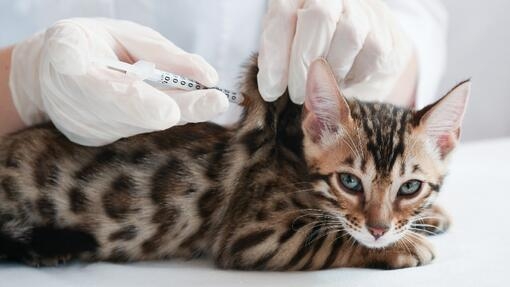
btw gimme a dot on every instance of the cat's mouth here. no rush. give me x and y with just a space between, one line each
364 237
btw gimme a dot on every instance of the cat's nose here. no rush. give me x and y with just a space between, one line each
377 230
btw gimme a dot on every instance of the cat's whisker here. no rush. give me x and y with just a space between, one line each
425 217
424 230
426 225
322 223
358 133
335 230
401 243
317 215
407 237
358 153
406 242
308 243
337 226
309 209
344 234
326 231
353 242
353 150
422 216
320 219
318 212
414 235
419 228
416 220
344 136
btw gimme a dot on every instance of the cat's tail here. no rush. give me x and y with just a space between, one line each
258 114
277 122
46 245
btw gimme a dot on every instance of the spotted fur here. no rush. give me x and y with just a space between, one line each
254 196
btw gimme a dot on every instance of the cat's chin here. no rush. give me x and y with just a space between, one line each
370 242
376 244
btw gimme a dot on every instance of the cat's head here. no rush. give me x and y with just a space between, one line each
385 164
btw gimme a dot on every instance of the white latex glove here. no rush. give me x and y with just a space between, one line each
53 76
359 38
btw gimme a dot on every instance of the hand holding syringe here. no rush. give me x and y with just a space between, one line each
62 75
163 79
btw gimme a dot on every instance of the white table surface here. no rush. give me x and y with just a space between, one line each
475 252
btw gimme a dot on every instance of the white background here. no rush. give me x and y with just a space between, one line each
479 48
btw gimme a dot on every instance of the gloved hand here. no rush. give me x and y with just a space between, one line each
359 39
53 76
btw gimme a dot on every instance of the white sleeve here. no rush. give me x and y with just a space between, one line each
426 23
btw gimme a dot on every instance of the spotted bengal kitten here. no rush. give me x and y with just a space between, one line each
337 182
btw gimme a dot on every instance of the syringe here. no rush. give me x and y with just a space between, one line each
163 79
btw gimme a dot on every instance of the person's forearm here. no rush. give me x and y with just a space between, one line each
10 120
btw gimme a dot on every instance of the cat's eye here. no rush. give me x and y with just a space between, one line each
409 187
350 182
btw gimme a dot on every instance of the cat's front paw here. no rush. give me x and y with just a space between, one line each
411 251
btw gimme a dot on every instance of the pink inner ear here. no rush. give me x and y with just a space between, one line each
325 107
314 127
445 143
322 116
442 119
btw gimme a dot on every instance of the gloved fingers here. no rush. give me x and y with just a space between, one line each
69 44
275 46
128 101
315 28
143 43
199 105
385 51
371 91
83 117
348 39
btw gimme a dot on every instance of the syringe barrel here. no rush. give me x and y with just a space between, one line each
166 80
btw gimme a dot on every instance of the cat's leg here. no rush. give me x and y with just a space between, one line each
312 245
434 220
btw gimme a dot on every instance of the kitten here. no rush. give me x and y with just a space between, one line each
336 182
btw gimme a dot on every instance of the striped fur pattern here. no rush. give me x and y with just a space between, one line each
254 196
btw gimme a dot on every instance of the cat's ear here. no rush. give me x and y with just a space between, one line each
442 120
325 109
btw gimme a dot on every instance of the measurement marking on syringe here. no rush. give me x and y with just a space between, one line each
163 79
